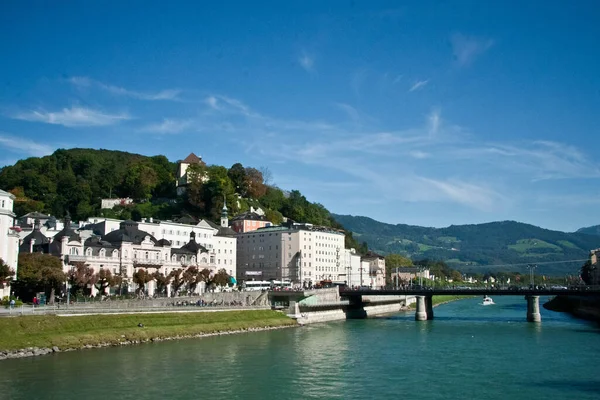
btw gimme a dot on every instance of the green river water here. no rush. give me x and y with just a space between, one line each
469 351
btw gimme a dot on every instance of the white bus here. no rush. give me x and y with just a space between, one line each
265 285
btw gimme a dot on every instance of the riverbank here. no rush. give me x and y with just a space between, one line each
37 335
582 307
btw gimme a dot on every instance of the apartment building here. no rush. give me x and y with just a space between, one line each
301 253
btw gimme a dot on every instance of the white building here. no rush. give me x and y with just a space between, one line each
374 264
301 253
9 239
352 266
182 176
49 227
124 247
219 240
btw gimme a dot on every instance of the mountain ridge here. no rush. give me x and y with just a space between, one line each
474 247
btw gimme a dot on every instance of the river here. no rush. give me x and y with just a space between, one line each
468 351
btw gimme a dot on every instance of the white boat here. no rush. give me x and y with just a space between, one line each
487 301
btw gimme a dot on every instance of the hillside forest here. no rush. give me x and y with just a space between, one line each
75 181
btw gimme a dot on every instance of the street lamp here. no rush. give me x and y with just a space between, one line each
531 268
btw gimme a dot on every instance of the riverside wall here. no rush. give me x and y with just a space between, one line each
372 306
253 298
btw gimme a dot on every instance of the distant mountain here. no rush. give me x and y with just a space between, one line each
474 247
590 230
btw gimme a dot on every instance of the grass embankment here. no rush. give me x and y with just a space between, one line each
75 332
442 299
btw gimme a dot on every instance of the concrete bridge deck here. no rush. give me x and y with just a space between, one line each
424 309
470 292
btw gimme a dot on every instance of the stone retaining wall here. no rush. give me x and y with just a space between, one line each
245 298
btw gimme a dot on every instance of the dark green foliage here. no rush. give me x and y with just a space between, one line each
5 271
590 230
590 274
472 247
38 272
75 180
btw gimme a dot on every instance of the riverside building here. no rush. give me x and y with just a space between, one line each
300 253
123 247
9 239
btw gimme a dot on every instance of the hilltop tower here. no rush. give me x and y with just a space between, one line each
224 218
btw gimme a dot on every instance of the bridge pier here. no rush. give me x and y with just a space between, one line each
533 309
421 314
356 308
429 307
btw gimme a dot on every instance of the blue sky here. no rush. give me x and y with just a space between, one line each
426 113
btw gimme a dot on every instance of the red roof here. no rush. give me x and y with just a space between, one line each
192 159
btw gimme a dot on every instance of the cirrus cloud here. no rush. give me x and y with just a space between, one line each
72 117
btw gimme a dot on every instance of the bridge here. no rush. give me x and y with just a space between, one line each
424 309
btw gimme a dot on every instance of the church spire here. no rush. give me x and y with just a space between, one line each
224 219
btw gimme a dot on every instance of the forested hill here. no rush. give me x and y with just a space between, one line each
472 247
590 230
76 180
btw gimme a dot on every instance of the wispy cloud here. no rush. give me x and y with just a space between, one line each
418 85
168 94
436 161
350 111
476 196
418 154
466 48
72 117
539 160
307 61
168 126
434 121
24 146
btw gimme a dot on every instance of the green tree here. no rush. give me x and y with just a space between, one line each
195 193
273 199
39 272
237 174
393 261
6 273
456 276
274 216
589 273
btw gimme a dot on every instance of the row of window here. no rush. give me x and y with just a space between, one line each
148 256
